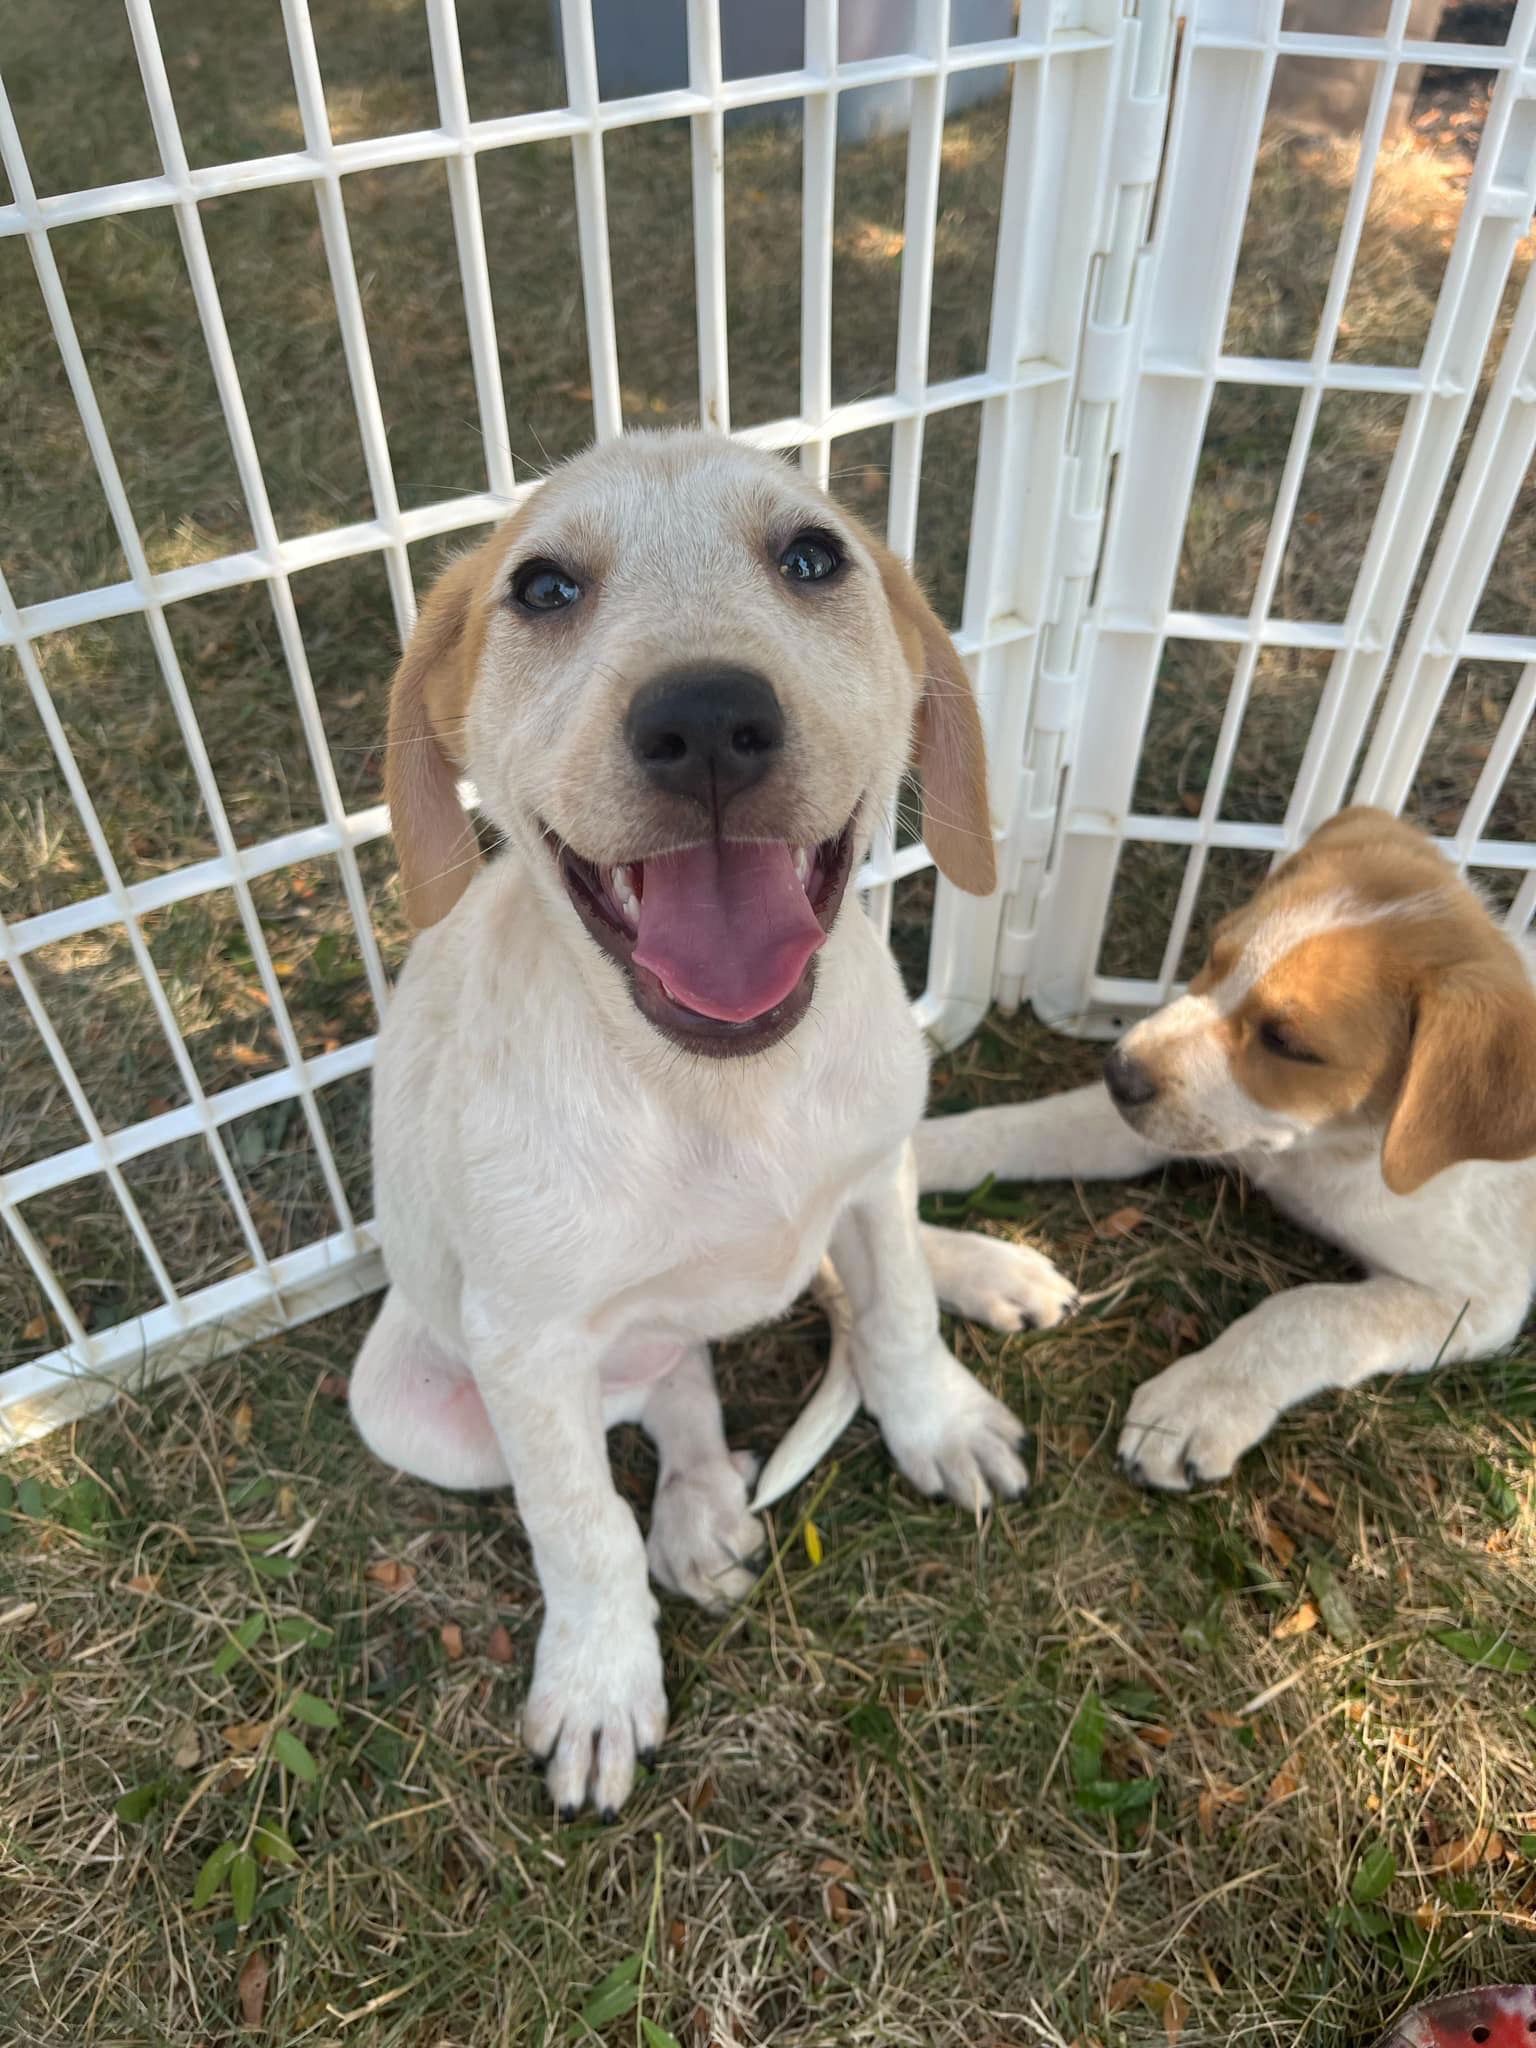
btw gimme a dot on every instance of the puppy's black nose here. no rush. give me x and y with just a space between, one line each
1130 1085
707 732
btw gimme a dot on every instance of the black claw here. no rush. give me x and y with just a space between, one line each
539 1764
1018 1493
1193 1476
569 1813
1021 1444
608 1816
646 1757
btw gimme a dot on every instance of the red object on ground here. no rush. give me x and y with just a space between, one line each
1495 2016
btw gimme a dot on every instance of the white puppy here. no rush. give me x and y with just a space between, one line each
1361 1042
646 1068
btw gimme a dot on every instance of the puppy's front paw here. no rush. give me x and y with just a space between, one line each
1192 1423
949 1436
597 1702
1006 1286
702 1537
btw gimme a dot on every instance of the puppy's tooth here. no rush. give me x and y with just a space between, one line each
622 884
802 863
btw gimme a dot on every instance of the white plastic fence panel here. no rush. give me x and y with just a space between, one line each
1385 658
1083 112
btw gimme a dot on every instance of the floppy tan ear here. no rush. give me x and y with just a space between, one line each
1470 1088
428 703
950 752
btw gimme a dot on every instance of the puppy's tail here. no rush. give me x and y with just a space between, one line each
829 1410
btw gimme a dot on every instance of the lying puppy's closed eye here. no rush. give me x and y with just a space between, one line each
646 1069
1362 1041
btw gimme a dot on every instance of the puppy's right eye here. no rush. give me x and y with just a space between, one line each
1276 1038
541 586
811 557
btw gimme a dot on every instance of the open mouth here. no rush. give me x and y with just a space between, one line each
718 941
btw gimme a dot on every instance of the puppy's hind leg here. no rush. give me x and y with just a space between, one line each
702 1532
416 1407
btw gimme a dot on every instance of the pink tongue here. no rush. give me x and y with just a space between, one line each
727 928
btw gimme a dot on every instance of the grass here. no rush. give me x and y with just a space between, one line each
994 1785
986 1786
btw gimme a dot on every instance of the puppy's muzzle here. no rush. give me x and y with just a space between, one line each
708 732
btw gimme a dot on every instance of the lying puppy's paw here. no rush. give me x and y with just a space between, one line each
597 1702
1192 1423
702 1535
951 1438
1006 1286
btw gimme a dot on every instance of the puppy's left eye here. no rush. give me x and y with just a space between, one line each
541 586
1275 1038
811 557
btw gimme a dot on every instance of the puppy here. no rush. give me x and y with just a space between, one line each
1361 1042
646 1067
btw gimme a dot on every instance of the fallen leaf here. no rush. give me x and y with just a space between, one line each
1281 1547
391 1574
704 1796
244 1419
451 1636
1157 1996
498 1645
833 1866
1466 1852
188 1750
35 1331
335 1386
838 1905
143 1582
243 1737
1306 1617
677 1934
1220 1717
1155 1733
1122 1222
249 1056
252 1984
1215 1796
1339 1617
1281 1786
1312 1491
287 1503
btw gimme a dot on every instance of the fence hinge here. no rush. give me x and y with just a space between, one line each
1103 376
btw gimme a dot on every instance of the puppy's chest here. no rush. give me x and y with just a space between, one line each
735 1237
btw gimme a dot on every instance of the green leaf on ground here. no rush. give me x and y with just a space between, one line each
1486 1646
1374 1874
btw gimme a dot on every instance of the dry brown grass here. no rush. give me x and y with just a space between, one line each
886 1814
881 1817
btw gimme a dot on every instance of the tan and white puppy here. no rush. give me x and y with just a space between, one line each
645 1067
1361 1042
